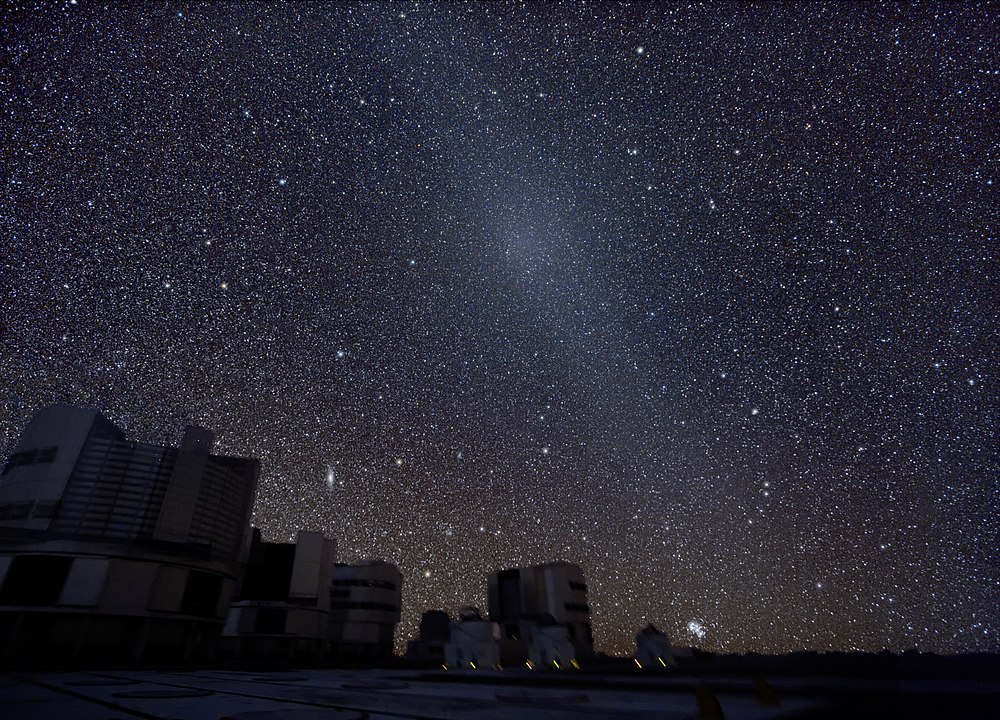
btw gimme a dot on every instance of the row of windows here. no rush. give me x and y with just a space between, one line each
579 586
576 607
30 457
385 607
384 584
39 580
114 491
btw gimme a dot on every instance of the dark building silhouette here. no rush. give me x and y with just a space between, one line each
535 601
281 612
365 605
114 549
297 604
429 647
654 650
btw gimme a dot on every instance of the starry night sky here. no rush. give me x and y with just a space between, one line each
702 298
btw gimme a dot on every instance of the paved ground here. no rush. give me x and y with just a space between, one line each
217 694
403 694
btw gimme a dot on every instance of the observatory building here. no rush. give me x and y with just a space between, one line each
112 549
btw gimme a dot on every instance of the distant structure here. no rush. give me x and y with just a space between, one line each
472 642
531 601
282 609
429 647
117 550
550 646
653 649
365 602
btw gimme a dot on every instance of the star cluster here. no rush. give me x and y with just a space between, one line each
701 297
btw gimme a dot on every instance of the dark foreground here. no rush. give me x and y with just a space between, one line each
612 692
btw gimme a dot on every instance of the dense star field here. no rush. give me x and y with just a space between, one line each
700 297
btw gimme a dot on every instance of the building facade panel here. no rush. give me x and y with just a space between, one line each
85 584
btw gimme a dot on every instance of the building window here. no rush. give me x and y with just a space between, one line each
35 580
576 607
578 586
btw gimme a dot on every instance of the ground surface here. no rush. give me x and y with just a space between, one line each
377 694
